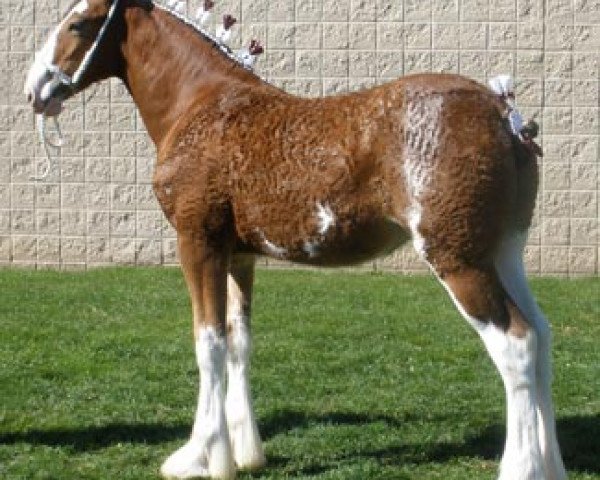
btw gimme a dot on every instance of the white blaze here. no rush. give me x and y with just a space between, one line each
38 78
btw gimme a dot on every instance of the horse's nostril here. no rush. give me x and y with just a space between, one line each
29 97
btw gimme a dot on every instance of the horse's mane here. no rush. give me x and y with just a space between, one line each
206 35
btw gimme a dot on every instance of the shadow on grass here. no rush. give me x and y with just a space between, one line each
94 438
578 437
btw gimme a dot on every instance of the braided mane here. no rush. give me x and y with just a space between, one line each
173 8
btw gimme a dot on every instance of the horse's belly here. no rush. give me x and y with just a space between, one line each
345 243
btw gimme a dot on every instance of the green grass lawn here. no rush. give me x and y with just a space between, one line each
355 376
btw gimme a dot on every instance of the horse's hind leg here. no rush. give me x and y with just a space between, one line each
243 431
510 268
512 345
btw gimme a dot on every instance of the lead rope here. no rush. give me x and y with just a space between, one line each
46 144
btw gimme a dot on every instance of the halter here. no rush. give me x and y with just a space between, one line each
62 85
68 83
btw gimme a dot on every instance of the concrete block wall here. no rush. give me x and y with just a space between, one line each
97 206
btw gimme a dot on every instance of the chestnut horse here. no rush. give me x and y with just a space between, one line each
245 169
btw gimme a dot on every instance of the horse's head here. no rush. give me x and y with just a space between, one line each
70 58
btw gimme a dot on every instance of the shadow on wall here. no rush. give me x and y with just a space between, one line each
578 436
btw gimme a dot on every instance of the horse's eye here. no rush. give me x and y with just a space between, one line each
77 27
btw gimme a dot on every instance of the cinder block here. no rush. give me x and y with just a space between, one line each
363 64
122 224
583 260
335 63
530 10
98 222
308 63
335 11
123 169
282 35
558 65
98 250
335 86
584 176
586 92
148 252
499 63
417 10
122 251
586 120
444 62
446 10
362 11
389 10
5 249
503 10
309 10
584 204
503 36
587 11
530 35
417 35
122 144
417 61
47 222
558 120
73 222
149 224
122 118
21 12
280 11
584 231
335 36
555 231
72 169
475 10
97 116
559 11
24 249
389 64
280 63
48 250
362 36
446 36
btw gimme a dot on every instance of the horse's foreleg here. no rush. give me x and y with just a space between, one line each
208 452
243 431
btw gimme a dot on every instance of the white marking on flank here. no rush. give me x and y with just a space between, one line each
414 219
326 218
270 247
311 248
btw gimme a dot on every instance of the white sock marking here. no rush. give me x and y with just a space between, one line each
243 431
510 268
515 359
208 452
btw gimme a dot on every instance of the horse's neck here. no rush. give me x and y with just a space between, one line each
168 66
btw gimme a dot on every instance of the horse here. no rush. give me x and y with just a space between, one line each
245 169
